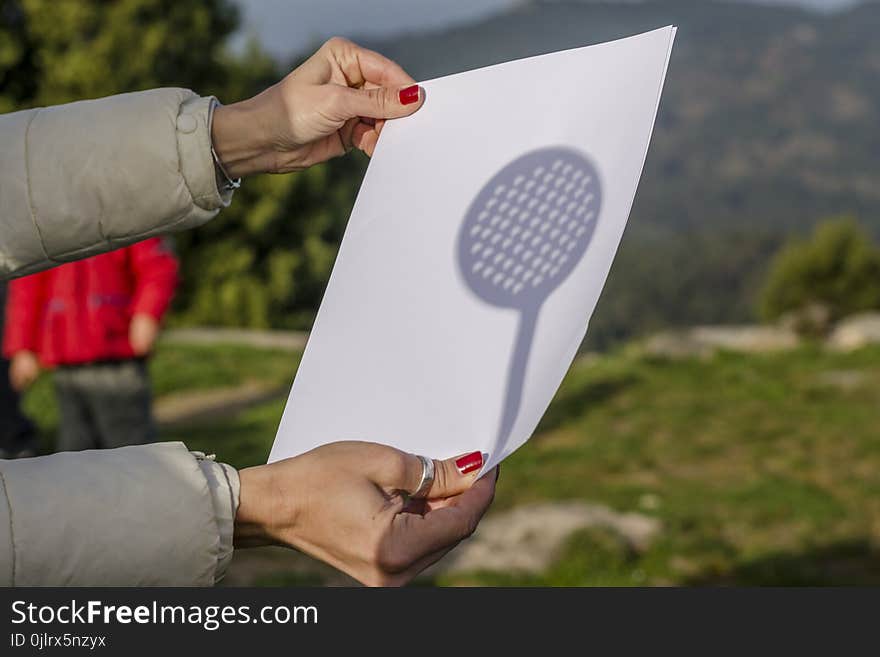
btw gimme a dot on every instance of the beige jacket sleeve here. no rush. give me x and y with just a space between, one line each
148 515
88 177
77 180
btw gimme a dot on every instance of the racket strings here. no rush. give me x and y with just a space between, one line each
532 225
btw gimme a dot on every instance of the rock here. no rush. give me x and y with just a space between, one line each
675 344
855 332
281 340
529 538
649 502
751 339
814 319
198 405
844 380
704 340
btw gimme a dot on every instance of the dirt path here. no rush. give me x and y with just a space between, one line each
284 340
198 405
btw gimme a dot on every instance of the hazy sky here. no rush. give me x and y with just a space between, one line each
291 26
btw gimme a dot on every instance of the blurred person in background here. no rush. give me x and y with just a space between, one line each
95 321
17 433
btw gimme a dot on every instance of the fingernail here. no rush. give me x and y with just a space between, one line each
469 462
409 95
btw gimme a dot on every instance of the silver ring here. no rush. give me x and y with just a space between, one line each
427 477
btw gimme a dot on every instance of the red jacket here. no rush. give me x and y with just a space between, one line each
80 312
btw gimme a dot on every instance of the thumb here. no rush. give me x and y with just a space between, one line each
454 476
381 102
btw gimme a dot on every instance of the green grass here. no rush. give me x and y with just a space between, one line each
242 441
178 368
760 471
763 469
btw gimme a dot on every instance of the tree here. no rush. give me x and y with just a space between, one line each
838 268
93 48
265 260
18 70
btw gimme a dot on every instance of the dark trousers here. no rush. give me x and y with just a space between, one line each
14 426
15 429
104 405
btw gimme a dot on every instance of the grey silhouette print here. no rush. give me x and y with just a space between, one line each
521 237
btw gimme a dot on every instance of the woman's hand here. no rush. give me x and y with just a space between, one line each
23 370
336 100
343 504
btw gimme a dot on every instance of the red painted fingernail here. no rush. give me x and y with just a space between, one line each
409 95
469 462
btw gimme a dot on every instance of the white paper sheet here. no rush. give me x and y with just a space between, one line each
475 254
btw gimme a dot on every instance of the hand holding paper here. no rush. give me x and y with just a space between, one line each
343 504
476 252
336 100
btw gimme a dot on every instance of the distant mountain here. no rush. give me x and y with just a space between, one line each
770 121
769 113
288 27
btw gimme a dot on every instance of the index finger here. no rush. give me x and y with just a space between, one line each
443 527
361 65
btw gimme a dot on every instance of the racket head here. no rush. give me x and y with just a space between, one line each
529 226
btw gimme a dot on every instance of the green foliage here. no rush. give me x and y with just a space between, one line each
87 49
708 276
838 268
18 74
265 260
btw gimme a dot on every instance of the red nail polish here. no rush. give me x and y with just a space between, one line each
409 95
469 462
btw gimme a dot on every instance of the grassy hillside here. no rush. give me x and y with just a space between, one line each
763 469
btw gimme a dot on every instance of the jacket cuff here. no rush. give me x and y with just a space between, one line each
16 341
133 516
196 159
152 305
223 483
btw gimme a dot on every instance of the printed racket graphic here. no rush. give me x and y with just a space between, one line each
522 236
